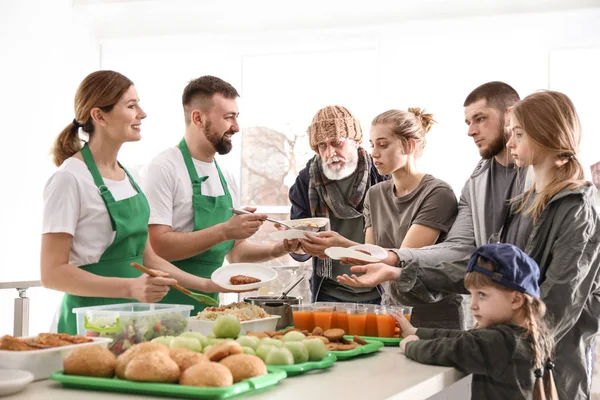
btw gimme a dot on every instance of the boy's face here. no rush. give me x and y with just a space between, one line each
491 306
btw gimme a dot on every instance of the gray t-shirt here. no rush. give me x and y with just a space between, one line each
352 229
499 191
519 227
432 204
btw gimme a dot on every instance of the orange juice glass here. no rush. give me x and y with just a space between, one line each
407 312
371 328
303 316
357 320
323 315
386 324
341 316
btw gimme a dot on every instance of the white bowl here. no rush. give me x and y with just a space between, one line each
14 380
255 325
377 253
42 363
265 274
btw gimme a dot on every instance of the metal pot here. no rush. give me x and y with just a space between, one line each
275 306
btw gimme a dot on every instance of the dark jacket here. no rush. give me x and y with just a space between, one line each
500 358
301 209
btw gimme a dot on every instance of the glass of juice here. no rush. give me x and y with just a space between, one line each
323 313
371 327
357 320
341 316
407 312
386 324
303 316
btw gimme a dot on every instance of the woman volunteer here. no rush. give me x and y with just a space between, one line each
95 220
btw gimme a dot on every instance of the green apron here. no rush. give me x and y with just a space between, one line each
208 211
129 218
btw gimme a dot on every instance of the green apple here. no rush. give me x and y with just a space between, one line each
263 350
204 350
186 343
298 350
166 340
316 349
203 339
279 356
271 341
227 326
248 341
294 336
248 350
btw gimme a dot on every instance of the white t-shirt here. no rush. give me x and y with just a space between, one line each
73 205
168 187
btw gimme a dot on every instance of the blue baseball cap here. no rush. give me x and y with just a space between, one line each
514 269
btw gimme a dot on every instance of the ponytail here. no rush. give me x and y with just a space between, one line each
542 344
66 144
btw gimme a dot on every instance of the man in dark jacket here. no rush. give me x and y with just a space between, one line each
334 184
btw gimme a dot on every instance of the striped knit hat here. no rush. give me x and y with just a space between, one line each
331 123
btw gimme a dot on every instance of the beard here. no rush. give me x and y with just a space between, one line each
335 173
219 142
497 145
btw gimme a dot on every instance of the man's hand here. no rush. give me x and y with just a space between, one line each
316 243
406 340
243 226
373 275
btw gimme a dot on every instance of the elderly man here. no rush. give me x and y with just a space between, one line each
334 184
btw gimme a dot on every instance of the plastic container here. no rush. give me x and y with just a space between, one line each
323 315
371 324
42 363
256 325
341 316
357 320
131 323
303 317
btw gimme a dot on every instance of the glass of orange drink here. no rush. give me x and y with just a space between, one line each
357 320
341 316
303 316
323 313
371 324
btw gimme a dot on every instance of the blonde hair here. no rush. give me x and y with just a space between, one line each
550 120
542 341
101 89
406 125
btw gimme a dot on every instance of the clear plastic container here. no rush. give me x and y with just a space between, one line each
131 323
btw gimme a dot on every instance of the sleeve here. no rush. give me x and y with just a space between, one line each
479 351
568 283
234 188
438 210
298 195
434 333
62 204
367 208
158 185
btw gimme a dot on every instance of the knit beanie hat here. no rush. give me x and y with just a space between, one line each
331 123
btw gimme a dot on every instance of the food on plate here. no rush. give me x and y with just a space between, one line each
166 340
90 361
224 349
321 338
341 346
201 338
243 280
248 341
41 341
210 374
317 331
293 336
263 350
359 340
184 342
316 349
244 366
248 350
334 334
186 358
138 329
244 311
364 251
260 335
298 350
153 366
279 356
134 351
227 326
271 341
306 224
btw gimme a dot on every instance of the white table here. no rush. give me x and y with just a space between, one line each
384 375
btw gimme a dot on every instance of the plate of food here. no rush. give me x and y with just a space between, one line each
387 341
299 226
243 276
363 252
252 318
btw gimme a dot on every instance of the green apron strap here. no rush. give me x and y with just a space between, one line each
91 164
222 178
189 164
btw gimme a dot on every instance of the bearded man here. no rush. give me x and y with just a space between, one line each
191 197
334 184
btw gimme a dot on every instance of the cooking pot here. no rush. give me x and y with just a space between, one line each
275 306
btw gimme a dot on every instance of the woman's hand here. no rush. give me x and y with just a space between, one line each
316 243
406 340
405 327
147 289
373 275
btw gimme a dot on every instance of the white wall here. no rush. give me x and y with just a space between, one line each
45 51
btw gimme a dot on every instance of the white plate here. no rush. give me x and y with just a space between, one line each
14 380
377 253
321 222
265 274
278 236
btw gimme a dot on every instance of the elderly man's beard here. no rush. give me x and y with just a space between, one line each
221 144
497 145
336 173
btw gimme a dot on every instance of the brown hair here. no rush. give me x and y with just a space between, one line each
203 89
101 89
542 341
550 120
498 95
406 125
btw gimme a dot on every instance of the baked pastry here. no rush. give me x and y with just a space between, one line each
210 374
244 366
185 358
227 348
134 350
154 366
90 361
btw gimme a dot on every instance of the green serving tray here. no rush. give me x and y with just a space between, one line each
298 369
387 341
169 389
371 347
